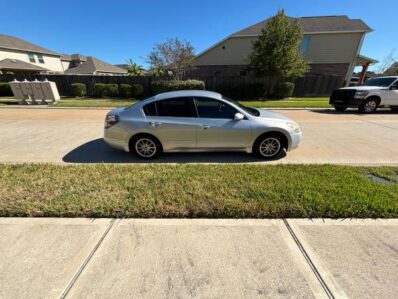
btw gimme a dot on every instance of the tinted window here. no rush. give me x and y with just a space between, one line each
384 82
178 107
210 108
150 109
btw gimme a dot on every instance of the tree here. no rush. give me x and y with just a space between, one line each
277 51
174 55
134 69
389 65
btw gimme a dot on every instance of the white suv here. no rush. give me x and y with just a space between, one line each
374 93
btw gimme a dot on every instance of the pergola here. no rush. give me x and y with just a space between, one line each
364 62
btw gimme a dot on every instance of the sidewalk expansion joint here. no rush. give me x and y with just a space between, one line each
87 260
309 261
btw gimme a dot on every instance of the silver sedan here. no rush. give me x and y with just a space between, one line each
194 121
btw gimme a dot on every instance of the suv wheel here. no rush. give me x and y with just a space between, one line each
145 147
369 106
268 147
340 108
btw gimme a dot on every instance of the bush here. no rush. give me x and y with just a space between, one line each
137 90
99 90
284 90
111 90
172 85
78 89
5 90
125 90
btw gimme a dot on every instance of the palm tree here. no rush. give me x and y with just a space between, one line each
134 69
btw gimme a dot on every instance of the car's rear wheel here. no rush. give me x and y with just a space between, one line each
369 106
340 108
269 146
145 147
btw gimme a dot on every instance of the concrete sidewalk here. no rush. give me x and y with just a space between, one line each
169 258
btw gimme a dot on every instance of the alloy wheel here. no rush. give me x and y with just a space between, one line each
145 147
270 147
370 106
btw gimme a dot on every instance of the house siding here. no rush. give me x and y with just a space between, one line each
328 53
52 63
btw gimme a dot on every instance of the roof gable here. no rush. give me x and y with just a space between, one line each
14 43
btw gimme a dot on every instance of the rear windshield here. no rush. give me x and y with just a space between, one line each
383 82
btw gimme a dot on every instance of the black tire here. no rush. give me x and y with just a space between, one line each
146 147
272 143
394 109
340 108
369 106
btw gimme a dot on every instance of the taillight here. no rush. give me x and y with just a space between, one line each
111 120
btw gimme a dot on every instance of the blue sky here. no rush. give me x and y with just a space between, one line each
120 29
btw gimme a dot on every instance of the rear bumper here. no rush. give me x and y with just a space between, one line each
116 143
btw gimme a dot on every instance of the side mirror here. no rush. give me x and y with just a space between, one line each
239 116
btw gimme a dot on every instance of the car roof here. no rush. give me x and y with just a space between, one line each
187 93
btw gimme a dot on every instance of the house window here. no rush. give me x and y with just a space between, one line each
31 57
305 44
40 58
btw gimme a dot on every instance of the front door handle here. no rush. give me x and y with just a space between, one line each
204 127
154 123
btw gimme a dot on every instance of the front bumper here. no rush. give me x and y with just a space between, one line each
295 140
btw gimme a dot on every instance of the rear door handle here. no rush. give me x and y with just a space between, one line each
154 123
204 127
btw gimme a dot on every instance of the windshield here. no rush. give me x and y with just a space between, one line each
383 82
249 110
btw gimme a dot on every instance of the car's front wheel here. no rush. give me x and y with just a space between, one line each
269 146
369 106
145 147
340 108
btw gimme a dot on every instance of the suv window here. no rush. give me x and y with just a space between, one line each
211 108
177 107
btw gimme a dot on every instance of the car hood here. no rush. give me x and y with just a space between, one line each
363 88
272 115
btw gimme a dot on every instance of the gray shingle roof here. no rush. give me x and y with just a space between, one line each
93 65
15 64
314 24
14 43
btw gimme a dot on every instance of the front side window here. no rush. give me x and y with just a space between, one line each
176 107
305 44
211 108
40 58
31 57
382 82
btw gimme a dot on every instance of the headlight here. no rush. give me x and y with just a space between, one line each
361 94
294 127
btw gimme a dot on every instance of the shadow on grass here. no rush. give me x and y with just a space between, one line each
97 151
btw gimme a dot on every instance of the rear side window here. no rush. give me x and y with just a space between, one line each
150 109
210 108
177 107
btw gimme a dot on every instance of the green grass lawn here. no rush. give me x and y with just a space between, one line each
209 191
8 101
305 102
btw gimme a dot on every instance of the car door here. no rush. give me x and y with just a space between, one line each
173 121
391 95
217 128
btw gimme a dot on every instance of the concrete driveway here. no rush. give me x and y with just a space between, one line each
202 258
75 136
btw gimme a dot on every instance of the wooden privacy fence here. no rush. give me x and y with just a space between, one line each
243 87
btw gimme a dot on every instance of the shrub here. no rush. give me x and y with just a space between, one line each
125 90
99 90
111 90
172 85
5 89
284 90
78 89
137 90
